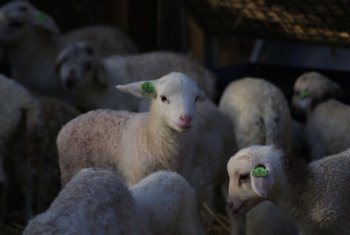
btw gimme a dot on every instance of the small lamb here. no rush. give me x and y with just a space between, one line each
180 133
259 114
98 202
91 78
327 128
32 40
315 195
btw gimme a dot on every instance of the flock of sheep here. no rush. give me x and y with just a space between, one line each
96 138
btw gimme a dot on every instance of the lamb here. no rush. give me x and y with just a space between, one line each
315 195
181 133
162 203
260 115
29 127
31 41
91 79
327 126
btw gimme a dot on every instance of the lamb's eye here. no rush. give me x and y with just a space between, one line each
243 177
163 98
197 99
297 93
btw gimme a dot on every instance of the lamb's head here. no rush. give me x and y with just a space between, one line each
19 17
312 88
254 172
76 66
175 98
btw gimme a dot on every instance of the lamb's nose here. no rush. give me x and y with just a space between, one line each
186 119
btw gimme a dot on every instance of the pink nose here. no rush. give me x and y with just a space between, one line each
185 119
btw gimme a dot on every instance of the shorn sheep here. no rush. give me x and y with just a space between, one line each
98 202
327 128
91 79
259 114
31 40
181 133
29 127
315 195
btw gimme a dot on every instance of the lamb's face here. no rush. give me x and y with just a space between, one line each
17 18
76 65
251 177
14 20
176 100
312 88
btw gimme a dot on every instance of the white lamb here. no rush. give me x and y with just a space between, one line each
180 133
31 41
315 195
91 79
327 128
98 202
259 114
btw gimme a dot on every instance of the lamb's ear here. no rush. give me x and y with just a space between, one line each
45 22
262 180
140 89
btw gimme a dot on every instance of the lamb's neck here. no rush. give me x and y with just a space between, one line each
294 196
165 142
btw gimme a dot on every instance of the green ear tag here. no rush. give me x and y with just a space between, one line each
259 172
147 87
41 18
304 94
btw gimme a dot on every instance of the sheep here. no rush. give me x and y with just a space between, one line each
260 115
173 135
91 78
315 195
32 40
29 127
93 202
327 127
98 201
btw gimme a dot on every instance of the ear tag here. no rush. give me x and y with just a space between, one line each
41 18
304 94
148 88
259 172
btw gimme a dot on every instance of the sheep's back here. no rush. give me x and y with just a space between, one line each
328 126
96 133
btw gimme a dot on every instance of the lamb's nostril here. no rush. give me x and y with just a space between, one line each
186 118
230 205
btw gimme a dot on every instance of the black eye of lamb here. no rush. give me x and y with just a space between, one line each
297 93
163 98
197 99
243 177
